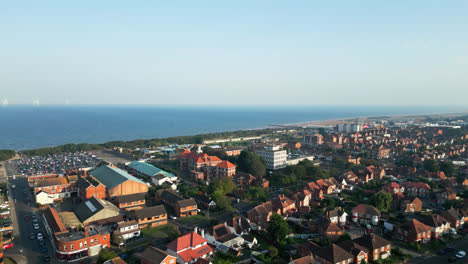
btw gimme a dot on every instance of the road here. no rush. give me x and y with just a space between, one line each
19 208
461 244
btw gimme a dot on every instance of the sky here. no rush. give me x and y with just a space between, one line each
234 52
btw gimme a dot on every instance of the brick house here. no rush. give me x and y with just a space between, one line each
189 248
130 202
152 255
283 204
57 188
455 218
410 205
359 252
90 187
261 214
378 247
151 216
182 207
418 189
333 254
205 167
330 230
336 216
414 231
316 191
393 188
127 230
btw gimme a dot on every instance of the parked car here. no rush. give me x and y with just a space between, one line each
123 256
32 236
8 245
42 242
36 226
26 218
44 249
46 259
460 254
39 236
33 216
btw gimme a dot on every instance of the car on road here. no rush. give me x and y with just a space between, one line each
123 256
27 218
461 254
32 236
173 217
42 242
33 216
8 245
36 226
44 249
39 236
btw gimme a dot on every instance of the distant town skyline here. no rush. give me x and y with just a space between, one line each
234 53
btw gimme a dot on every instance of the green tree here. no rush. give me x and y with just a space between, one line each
173 233
6 154
447 167
382 200
256 193
431 165
251 163
277 227
343 237
117 239
273 251
105 254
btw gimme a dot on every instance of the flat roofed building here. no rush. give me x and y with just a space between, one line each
274 157
151 216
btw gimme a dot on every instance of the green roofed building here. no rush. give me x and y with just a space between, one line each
157 176
118 182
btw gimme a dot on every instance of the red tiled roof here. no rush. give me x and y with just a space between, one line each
191 239
225 164
192 254
417 227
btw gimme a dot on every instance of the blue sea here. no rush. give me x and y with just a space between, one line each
28 127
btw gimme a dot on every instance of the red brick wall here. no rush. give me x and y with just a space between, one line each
102 239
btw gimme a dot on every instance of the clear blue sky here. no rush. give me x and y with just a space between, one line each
234 52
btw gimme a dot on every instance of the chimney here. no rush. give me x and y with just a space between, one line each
203 233
195 230
86 231
239 221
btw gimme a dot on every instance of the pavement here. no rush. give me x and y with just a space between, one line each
461 244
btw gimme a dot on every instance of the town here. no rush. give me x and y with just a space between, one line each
361 191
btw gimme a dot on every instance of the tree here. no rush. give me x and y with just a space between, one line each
117 239
343 237
256 193
431 165
105 254
447 167
277 227
382 200
273 251
251 163
173 233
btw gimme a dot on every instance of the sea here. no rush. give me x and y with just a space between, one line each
30 127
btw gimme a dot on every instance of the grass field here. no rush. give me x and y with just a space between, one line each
194 220
156 232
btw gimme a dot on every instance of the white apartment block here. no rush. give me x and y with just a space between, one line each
274 157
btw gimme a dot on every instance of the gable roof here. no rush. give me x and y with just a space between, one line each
54 221
434 220
334 253
50 182
366 209
371 241
111 177
148 169
416 227
155 255
92 206
130 197
191 239
150 212
225 164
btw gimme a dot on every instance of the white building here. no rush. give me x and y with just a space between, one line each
46 198
274 157
128 230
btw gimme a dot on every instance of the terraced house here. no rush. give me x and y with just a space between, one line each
151 216
130 202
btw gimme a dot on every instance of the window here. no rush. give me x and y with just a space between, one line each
85 244
105 238
95 240
65 248
72 247
81 244
91 241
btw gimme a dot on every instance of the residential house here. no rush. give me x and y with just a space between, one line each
151 216
284 205
364 213
153 255
127 230
418 189
239 225
378 247
222 237
56 189
439 225
454 217
330 230
393 188
359 252
302 198
336 216
205 167
414 231
189 248
130 202
333 254
410 205
182 207
260 214
304 260
316 191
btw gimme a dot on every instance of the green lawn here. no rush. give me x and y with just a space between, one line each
194 220
156 232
